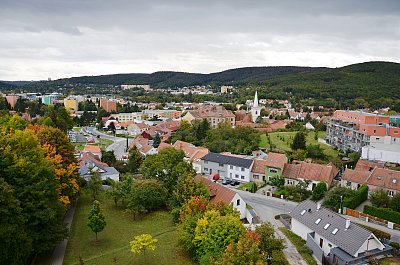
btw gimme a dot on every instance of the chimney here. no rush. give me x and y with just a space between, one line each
318 206
347 224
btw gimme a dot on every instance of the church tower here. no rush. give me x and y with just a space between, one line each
255 109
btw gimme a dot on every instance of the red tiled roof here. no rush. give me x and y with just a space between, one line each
276 160
311 171
218 192
259 166
163 145
385 178
92 149
85 157
357 176
368 165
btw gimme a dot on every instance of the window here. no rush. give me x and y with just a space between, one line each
242 168
348 184
326 226
221 165
205 169
256 177
329 245
335 231
231 167
290 182
272 170
374 131
238 202
242 177
230 175
390 193
236 176
318 220
205 162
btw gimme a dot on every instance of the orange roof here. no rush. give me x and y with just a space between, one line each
368 165
92 149
218 192
90 157
163 145
259 166
310 171
358 176
276 160
385 178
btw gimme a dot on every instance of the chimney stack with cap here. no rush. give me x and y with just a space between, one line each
318 206
347 224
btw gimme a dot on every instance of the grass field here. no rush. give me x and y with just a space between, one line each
282 141
112 246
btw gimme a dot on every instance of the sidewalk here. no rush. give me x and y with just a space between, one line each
290 251
395 233
58 255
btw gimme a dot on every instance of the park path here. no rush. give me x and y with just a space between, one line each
59 252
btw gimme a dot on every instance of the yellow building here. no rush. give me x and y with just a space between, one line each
71 104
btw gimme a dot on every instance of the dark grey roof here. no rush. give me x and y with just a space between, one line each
349 240
229 160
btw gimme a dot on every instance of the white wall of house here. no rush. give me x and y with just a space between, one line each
209 168
371 153
310 186
241 174
349 184
240 205
300 229
197 166
372 243
326 244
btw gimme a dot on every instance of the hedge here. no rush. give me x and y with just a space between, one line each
383 213
360 196
378 233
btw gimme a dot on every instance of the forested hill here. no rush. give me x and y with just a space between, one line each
4 85
372 83
180 79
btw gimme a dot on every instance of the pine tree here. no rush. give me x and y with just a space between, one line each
156 140
299 141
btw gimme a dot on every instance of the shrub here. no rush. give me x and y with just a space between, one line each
319 191
383 213
395 245
360 196
378 233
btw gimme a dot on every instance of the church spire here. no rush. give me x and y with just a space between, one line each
255 102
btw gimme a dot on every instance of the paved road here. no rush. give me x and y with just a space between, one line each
59 252
119 145
267 207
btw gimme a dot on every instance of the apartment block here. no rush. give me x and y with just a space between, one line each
352 130
108 105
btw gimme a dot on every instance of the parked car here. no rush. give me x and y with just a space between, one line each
226 181
235 183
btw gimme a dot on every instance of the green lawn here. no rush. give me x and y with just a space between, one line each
389 261
113 243
300 245
282 141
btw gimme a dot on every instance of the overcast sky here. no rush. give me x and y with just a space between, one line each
64 38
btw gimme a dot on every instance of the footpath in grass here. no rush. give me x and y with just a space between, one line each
300 245
112 246
282 141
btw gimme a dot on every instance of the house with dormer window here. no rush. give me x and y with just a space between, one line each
333 238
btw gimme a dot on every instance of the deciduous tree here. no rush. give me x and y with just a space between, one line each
97 220
143 242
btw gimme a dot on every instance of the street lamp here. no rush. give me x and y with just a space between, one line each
341 202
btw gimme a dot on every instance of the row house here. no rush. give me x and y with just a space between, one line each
315 173
193 154
375 176
227 166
